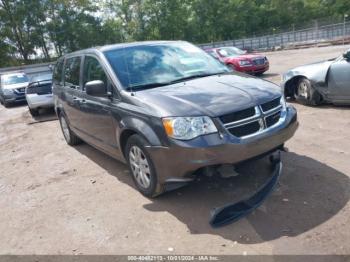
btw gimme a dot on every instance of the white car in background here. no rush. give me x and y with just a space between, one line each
39 93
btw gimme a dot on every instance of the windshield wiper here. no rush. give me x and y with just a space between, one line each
154 85
145 86
193 77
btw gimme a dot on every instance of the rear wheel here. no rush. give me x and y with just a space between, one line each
34 112
69 136
141 167
306 94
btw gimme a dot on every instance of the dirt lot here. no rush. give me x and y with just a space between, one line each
56 199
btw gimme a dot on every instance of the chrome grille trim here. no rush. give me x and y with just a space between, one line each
260 116
245 120
271 111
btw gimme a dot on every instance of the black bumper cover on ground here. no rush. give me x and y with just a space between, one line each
232 212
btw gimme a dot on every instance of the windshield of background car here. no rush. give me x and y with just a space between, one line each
144 65
230 51
41 77
14 79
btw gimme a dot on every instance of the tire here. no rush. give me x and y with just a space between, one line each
33 111
71 138
146 181
306 94
259 73
6 104
232 66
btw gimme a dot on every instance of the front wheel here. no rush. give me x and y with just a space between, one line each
33 112
306 94
141 167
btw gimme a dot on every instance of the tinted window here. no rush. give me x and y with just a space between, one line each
41 77
72 72
142 65
93 71
57 73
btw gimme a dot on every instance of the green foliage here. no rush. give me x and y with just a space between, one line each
43 28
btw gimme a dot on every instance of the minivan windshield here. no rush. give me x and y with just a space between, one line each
14 79
230 51
153 65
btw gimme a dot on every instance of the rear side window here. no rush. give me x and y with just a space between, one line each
57 73
93 71
72 72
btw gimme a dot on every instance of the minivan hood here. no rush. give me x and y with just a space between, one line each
212 96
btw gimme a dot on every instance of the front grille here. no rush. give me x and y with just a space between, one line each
260 61
20 90
246 129
252 120
271 104
236 116
272 119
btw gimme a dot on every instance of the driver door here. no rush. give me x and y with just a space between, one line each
339 80
96 112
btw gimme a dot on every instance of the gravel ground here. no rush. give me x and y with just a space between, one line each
56 199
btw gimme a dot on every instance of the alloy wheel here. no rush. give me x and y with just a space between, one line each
140 166
303 90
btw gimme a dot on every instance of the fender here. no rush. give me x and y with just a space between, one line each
317 73
141 127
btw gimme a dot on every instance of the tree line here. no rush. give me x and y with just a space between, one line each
33 30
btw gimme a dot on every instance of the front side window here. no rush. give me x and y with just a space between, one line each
144 66
14 79
72 72
93 71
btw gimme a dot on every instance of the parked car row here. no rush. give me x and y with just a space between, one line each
17 87
168 109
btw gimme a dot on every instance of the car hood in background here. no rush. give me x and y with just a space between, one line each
212 96
245 57
316 72
15 86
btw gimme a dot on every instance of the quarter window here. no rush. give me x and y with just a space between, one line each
93 71
72 72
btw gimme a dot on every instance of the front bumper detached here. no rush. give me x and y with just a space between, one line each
230 213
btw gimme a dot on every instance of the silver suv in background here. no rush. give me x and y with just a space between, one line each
39 93
12 87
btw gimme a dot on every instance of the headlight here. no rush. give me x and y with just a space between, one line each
8 91
245 63
186 128
283 102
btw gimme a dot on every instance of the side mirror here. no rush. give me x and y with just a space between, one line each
96 88
346 55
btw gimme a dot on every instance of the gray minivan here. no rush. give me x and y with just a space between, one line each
167 109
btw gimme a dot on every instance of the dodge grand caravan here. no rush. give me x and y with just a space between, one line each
167 109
